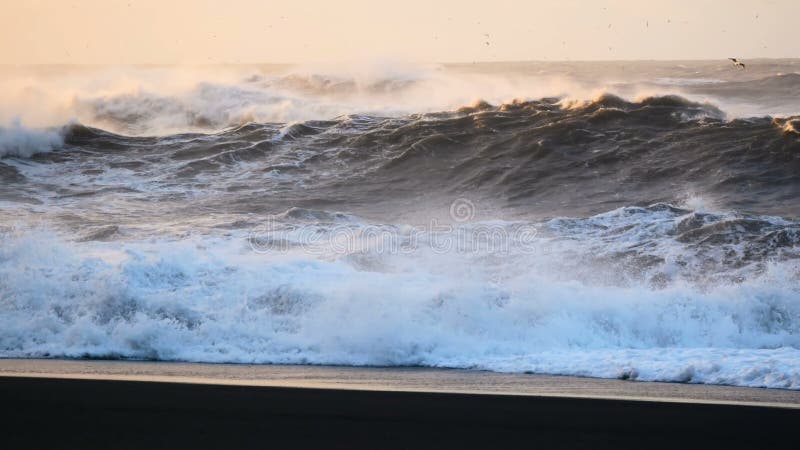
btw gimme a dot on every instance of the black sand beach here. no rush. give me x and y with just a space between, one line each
48 411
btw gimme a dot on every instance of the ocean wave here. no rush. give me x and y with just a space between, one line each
789 125
16 140
214 300
162 100
543 156
783 84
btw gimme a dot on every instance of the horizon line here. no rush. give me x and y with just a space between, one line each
401 61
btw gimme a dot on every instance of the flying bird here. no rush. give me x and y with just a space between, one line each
738 63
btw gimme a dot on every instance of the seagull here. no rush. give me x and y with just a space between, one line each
738 63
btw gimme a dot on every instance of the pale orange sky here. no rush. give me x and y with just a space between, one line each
249 31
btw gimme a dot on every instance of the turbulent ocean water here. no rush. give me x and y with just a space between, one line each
638 220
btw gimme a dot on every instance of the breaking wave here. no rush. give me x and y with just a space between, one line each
16 140
510 217
635 294
169 100
543 156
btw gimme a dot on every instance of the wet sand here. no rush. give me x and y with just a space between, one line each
99 404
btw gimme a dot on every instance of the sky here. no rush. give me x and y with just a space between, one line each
290 31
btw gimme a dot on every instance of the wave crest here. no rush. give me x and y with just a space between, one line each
214 302
16 140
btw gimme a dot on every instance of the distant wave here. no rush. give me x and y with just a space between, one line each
783 84
549 154
163 101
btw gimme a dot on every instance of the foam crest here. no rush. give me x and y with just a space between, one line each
214 300
16 140
166 100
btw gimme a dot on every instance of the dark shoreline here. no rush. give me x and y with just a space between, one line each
109 414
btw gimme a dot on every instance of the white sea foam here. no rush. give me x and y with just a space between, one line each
16 140
213 299
166 100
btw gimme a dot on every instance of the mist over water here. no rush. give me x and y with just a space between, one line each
630 219
160 100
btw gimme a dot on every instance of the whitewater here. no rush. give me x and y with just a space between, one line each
633 220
